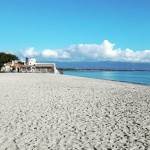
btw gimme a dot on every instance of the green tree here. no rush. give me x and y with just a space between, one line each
5 58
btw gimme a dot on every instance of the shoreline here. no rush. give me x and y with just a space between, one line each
102 78
48 111
110 80
88 78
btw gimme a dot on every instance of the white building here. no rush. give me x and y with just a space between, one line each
30 66
30 61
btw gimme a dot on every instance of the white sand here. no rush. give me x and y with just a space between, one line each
46 111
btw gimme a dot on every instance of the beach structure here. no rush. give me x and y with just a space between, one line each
30 66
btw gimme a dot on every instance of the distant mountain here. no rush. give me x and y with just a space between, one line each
103 65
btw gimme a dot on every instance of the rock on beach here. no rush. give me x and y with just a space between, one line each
58 112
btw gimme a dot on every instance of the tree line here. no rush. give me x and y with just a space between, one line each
5 58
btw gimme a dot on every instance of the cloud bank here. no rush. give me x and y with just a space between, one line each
90 52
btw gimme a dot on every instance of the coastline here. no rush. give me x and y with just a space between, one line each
109 80
103 70
45 111
141 78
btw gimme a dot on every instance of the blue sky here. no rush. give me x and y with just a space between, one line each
49 28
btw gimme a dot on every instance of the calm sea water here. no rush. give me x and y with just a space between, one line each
123 76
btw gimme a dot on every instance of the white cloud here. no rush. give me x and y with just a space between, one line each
103 51
49 54
55 54
135 56
30 52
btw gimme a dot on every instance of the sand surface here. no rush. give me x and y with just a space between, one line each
46 111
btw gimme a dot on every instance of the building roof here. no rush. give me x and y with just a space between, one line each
45 64
8 64
17 65
36 65
27 66
13 64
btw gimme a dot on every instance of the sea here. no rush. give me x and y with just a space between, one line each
137 77
138 73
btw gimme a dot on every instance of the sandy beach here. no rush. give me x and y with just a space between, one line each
58 112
